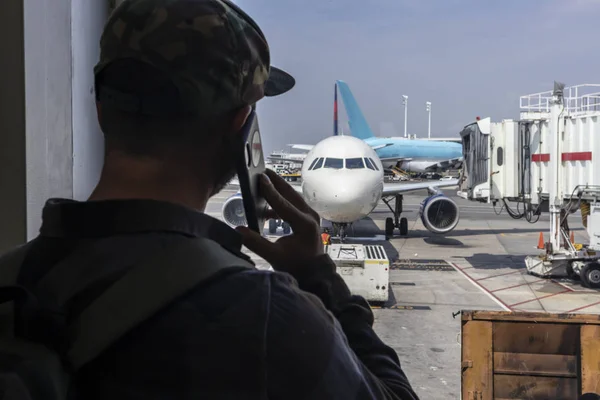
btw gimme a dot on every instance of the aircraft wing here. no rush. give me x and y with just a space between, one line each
307 147
391 189
290 160
457 140
381 146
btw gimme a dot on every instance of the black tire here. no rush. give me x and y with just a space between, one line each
287 229
590 275
403 227
389 227
272 226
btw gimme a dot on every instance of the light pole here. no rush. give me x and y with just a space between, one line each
428 107
405 102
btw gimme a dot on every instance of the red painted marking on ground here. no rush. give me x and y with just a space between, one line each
462 269
484 289
539 298
494 276
581 308
562 285
514 286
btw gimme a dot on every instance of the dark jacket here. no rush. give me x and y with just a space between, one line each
247 335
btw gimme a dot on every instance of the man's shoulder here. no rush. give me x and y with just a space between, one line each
235 289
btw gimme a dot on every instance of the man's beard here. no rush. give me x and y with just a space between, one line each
224 174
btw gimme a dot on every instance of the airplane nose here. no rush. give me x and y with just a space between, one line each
343 201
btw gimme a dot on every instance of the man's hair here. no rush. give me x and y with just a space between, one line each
141 134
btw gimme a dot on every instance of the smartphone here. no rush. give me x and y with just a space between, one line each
250 165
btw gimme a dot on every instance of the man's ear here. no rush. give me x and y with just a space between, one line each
240 118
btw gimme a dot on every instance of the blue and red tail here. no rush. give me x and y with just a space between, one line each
358 124
335 111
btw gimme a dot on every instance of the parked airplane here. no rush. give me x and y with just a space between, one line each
413 155
342 180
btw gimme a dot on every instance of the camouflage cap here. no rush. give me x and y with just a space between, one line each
215 54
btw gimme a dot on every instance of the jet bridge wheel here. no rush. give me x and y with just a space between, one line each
590 275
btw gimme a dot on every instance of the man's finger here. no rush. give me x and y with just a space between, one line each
288 192
287 211
271 214
258 244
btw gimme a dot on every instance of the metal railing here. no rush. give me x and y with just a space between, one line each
577 99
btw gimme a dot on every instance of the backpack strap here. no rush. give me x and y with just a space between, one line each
143 291
10 265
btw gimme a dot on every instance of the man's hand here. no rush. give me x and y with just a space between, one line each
292 251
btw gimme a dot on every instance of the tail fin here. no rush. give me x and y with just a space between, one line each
335 111
358 124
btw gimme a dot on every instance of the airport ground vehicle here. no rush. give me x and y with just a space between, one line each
544 162
364 268
520 355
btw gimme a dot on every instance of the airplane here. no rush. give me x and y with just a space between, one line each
280 156
410 155
342 180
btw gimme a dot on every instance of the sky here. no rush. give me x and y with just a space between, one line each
468 58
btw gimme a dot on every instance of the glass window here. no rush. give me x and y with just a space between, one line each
374 164
312 164
354 163
369 164
319 163
336 163
500 156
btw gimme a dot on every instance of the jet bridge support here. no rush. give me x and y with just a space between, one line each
544 162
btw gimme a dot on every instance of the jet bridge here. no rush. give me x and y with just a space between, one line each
547 161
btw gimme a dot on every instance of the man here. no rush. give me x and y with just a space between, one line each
175 83
326 237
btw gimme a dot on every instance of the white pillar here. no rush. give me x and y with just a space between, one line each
50 143
405 102
428 107
556 125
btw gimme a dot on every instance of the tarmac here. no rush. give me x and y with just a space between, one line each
478 266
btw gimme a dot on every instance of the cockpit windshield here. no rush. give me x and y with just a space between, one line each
336 163
340 163
354 163
318 164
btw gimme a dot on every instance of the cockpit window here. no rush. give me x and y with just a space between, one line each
312 164
374 164
336 163
369 164
319 163
354 163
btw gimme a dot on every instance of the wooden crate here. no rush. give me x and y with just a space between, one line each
520 355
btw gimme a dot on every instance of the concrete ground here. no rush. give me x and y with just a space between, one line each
478 266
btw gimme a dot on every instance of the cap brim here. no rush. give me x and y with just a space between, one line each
279 82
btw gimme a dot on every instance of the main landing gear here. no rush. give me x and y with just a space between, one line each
275 223
396 222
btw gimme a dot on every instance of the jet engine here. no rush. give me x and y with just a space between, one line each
233 211
439 213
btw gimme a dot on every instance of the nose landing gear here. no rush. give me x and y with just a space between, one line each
396 222
340 231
